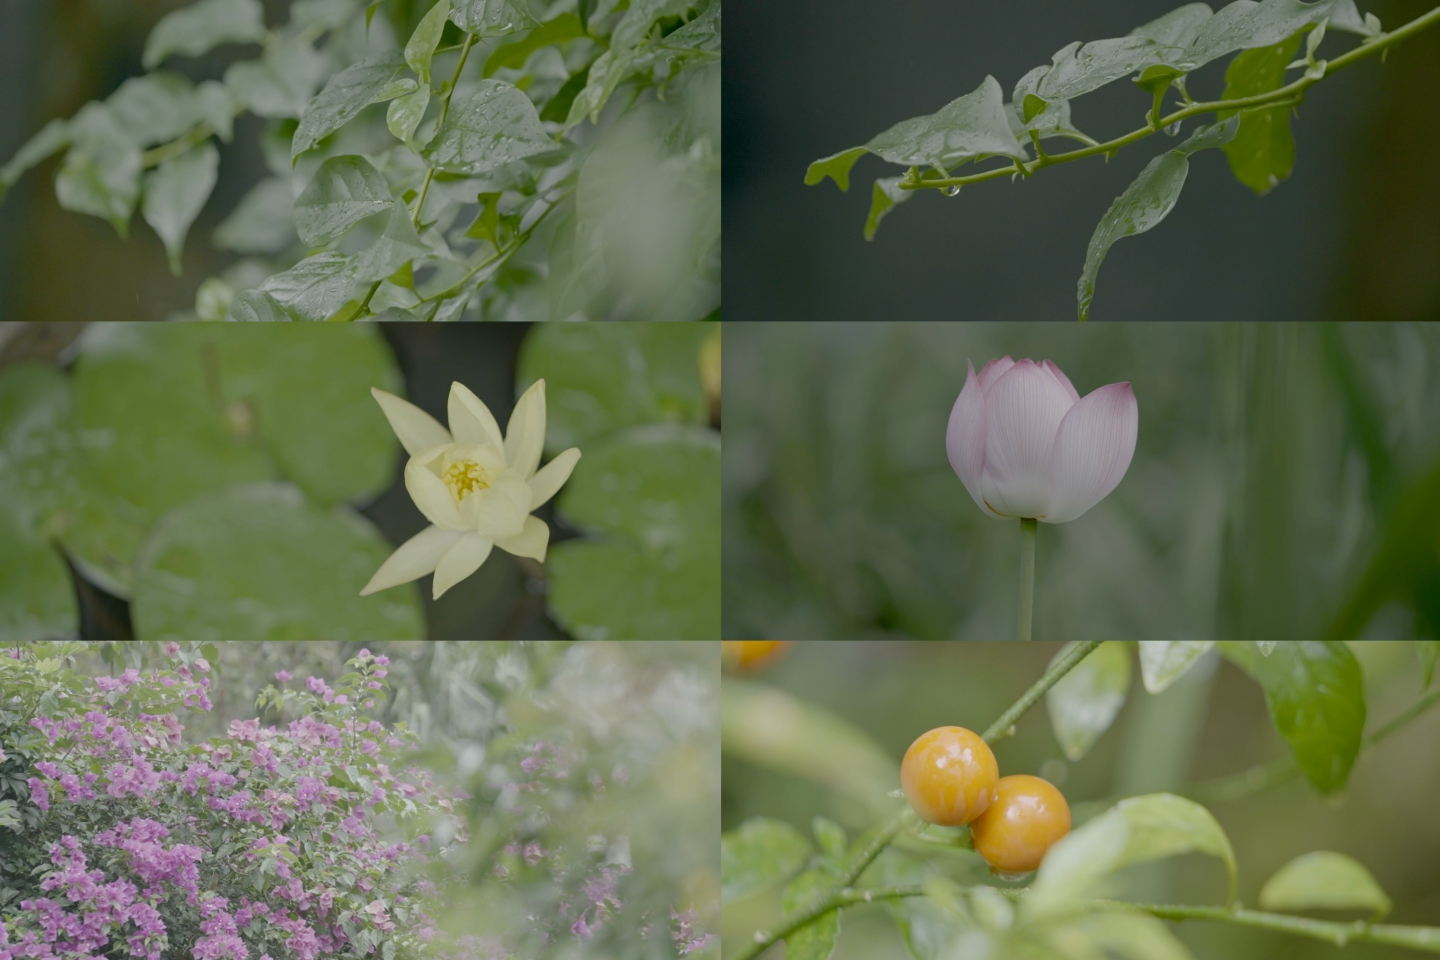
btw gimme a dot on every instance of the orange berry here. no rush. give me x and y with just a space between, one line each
1026 819
949 776
753 654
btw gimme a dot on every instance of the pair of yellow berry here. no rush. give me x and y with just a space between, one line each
950 777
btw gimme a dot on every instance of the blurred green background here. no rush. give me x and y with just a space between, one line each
1211 723
1283 485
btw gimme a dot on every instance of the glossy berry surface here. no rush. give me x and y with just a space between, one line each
1026 819
753 654
949 776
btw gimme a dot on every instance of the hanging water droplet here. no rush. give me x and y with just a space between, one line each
950 191
1173 129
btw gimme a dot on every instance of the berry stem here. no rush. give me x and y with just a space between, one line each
1002 727
1027 578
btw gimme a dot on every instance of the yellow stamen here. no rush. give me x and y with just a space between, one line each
465 476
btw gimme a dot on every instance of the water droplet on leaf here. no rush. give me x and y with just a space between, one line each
1173 130
950 191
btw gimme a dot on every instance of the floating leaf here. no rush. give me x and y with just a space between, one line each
200 27
1085 701
1146 202
1316 695
344 191
1162 662
1322 880
759 854
175 193
495 125
343 97
260 563
1263 151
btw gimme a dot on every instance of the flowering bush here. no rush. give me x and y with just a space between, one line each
268 843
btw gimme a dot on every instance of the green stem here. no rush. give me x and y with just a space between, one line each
841 893
444 110
1274 98
1027 578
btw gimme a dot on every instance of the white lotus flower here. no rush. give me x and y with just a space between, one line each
475 488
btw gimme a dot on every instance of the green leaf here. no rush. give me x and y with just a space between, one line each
558 109
1156 79
343 97
654 573
329 14
1125 937
759 854
815 940
175 192
52 137
1323 880
1079 69
831 837
101 175
600 379
1178 28
491 18
1428 651
420 50
262 222
1162 662
1263 151
394 248
495 125
201 27
256 306
1316 695
836 167
315 287
1044 118
1033 106
281 83
260 563
1266 647
885 197
1245 26
213 105
405 114
344 191
512 55
487 221
1146 202
966 128
1086 700
154 108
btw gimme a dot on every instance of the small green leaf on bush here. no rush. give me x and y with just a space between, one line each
1084 703
758 854
52 137
154 108
344 191
887 196
280 84
491 18
1164 825
1033 106
397 246
495 125
1323 880
315 287
405 114
256 306
260 563
1316 696
513 55
835 167
831 837
815 940
200 27
1263 151
343 97
175 192
1157 79
101 175
1162 662
420 50
262 222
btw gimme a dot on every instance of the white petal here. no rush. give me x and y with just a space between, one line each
965 436
1023 409
994 370
500 511
463 559
413 559
1059 375
470 420
431 496
525 433
415 428
1093 448
530 542
551 477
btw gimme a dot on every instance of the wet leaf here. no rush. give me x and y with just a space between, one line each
1316 695
343 97
491 18
200 27
759 854
1323 880
420 49
344 191
1162 662
175 193
495 125
315 287
1263 151
1086 700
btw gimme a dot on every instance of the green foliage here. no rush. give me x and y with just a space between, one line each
261 563
458 128
1322 880
1263 151
759 854
1162 662
1316 696
344 191
1084 704
647 490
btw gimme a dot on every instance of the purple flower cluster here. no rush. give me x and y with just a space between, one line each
265 845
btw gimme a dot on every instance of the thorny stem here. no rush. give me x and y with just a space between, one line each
1027 579
892 828
1284 96
444 109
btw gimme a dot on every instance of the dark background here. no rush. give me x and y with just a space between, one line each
506 596
1353 235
